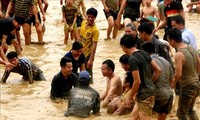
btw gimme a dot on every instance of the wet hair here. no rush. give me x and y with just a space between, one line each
12 55
131 26
124 59
129 79
145 27
128 41
174 34
20 20
77 45
148 47
178 19
64 60
110 64
92 11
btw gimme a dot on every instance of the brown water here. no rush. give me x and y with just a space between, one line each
22 101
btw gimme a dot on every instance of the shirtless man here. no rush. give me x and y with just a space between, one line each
114 83
148 10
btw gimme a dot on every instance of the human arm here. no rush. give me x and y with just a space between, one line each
192 3
105 6
91 59
42 9
111 92
5 76
26 65
96 105
134 89
53 89
157 16
123 5
160 26
83 8
179 61
9 8
156 70
74 21
4 46
34 11
1 13
198 64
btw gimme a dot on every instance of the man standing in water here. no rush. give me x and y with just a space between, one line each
89 34
141 66
187 67
111 9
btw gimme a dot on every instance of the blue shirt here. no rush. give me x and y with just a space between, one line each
189 38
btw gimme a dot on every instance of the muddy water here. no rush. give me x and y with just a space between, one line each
22 101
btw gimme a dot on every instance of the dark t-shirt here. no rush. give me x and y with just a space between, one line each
141 61
60 86
82 100
76 63
6 26
172 9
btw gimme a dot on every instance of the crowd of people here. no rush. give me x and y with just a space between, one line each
153 70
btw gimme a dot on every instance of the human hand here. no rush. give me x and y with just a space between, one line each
89 64
106 9
1 14
188 5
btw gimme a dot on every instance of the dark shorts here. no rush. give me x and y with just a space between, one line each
111 13
79 20
32 19
163 106
132 17
10 37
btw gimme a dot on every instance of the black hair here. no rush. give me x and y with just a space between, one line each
145 27
92 11
148 47
12 55
128 41
131 26
110 64
77 45
178 19
124 59
174 34
20 20
64 60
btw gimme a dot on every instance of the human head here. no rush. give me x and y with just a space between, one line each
13 58
84 78
124 61
77 49
148 47
108 67
174 36
145 29
18 21
66 66
130 30
91 16
178 22
69 2
127 42
147 2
